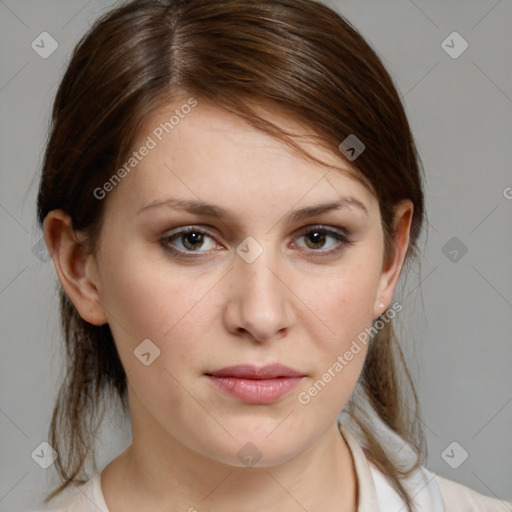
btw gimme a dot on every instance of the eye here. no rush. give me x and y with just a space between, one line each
317 238
189 239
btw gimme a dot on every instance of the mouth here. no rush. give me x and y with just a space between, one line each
256 385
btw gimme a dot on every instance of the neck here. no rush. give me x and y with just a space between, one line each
157 472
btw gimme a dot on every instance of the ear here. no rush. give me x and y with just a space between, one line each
392 268
76 270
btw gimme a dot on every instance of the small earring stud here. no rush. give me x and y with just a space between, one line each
381 305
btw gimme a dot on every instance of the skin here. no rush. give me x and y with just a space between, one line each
291 305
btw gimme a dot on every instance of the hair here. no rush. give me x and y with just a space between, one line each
299 57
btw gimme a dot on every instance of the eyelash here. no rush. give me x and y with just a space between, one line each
339 235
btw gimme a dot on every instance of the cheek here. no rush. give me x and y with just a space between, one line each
337 354
144 303
345 302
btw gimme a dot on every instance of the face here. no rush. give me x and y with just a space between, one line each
260 284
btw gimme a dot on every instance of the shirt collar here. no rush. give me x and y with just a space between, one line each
366 494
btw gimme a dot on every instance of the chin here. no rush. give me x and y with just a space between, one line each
255 450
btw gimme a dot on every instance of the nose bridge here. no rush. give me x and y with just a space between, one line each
257 267
261 296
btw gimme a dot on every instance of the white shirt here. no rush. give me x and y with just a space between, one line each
431 492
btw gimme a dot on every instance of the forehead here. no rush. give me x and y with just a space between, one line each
203 151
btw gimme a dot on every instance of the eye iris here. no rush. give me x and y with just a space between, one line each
192 238
317 236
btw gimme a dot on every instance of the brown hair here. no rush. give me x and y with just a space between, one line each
298 56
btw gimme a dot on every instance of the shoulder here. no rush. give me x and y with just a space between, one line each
78 498
63 502
429 491
457 497
432 492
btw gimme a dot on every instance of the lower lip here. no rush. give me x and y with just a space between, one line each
252 391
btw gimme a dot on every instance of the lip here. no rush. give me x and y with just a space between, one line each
249 371
256 384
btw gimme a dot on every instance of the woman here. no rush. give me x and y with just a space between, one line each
230 193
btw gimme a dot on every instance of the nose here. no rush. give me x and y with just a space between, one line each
259 300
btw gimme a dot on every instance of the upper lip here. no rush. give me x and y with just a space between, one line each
247 371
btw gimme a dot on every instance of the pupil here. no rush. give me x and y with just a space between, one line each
193 238
317 236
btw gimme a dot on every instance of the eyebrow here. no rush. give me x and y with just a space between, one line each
210 210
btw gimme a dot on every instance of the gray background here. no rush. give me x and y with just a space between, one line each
456 331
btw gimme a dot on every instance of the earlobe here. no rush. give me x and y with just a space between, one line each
390 274
74 267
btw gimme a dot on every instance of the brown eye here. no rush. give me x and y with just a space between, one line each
190 239
324 241
317 239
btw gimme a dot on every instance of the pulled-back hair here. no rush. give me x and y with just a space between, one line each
300 57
